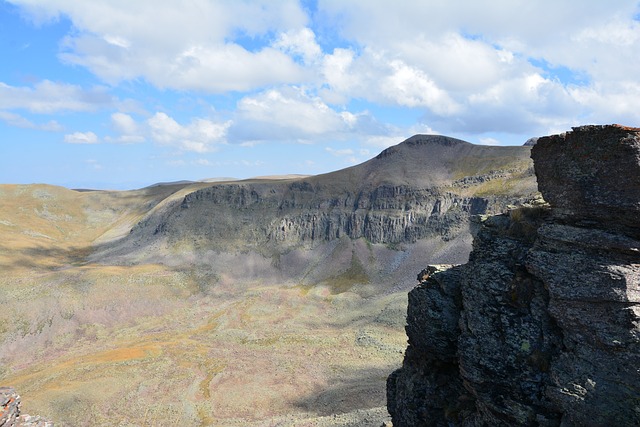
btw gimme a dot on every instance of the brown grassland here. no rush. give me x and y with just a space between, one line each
88 343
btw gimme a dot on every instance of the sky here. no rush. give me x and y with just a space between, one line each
115 94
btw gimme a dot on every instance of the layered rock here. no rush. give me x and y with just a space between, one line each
425 187
10 412
541 326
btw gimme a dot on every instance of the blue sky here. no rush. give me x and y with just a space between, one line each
119 94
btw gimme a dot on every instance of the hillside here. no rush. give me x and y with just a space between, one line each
253 302
418 193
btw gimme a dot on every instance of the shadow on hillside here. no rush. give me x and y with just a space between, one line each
359 389
44 258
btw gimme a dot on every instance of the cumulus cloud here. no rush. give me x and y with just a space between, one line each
467 67
47 97
288 111
81 138
200 135
462 65
301 42
127 128
186 47
294 114
124 123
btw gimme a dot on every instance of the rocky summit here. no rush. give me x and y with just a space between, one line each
542 326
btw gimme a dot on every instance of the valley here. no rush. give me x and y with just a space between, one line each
260 302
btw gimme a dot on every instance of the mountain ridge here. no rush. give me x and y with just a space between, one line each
423 188
223 293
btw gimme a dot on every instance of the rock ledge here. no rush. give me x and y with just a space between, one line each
542 326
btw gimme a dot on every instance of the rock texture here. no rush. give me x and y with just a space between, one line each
542 325
425 187
10 412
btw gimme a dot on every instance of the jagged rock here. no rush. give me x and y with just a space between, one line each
9 407
10 412
548 304
592 175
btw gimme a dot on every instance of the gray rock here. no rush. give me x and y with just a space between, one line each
548 304
10 412
9 407
592 175
426 187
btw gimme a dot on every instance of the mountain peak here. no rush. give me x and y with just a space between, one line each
423 140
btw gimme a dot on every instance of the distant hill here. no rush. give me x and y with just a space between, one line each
419 193
271 300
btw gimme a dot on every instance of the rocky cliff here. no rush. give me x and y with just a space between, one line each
424 188
10 412
542 325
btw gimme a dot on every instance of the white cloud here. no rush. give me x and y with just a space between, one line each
187 46
474 67
293 114
412 87
17 120
128 129
47 97
461 66
200 135
81 138
289 111
300 42
489 141
124 123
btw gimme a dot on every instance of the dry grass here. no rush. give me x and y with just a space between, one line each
89 344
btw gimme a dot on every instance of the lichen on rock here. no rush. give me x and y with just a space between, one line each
547 310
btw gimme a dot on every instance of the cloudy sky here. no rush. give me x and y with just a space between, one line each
122 94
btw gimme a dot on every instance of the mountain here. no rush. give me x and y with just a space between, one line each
419 193
234 303
541 326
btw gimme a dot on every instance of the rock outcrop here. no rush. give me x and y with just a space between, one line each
10 412
426 187
542 325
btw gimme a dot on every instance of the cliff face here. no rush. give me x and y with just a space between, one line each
542 325
426 187
304 213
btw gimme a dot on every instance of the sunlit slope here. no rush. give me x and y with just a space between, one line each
218 303
49 226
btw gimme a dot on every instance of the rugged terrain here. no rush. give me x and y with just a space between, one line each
542 326
257 302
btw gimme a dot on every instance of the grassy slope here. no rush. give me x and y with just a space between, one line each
190 344
89 344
